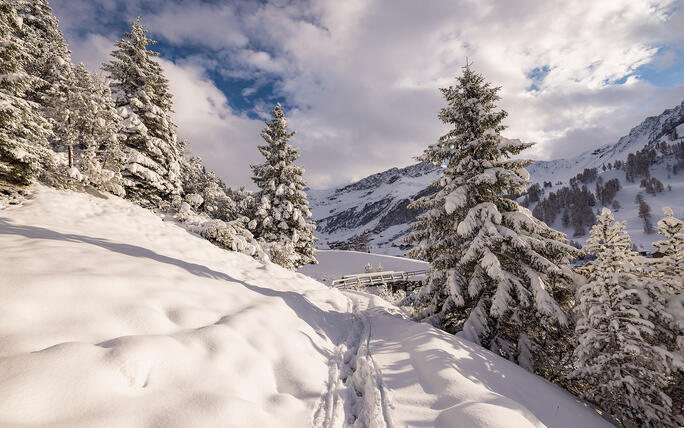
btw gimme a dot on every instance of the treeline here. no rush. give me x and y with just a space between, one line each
68 128
575 204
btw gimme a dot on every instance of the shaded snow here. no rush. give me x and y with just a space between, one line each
113 317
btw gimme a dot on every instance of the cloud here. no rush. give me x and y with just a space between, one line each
225 140
214 26
92 50
361 78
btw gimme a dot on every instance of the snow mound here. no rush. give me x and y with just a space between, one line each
113 317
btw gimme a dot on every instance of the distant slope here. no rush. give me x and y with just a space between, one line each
372 213
112 317
673 198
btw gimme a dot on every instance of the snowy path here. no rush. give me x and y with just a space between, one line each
356 395
431 378
112 317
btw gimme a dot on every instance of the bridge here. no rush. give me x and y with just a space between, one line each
379 278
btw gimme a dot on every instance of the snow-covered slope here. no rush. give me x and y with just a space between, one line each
629 211
373 210
113 317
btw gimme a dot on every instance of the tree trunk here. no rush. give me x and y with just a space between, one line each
71 156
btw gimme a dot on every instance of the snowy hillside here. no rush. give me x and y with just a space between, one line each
372 214
672 197
113 317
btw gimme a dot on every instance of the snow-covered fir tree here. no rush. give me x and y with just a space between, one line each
670 270
672 249
101 157
209 210
24 148
142 97
245 204
619 363
205 192
49 58
283 208
61 103
497 273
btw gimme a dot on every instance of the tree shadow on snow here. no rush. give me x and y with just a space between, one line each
510 385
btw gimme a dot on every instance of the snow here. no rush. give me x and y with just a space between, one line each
113 317
438 377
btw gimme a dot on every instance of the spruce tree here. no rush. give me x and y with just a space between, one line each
24 150
143 100
49 60
669 269
61 103
100 157
672 249
496 272
619 362
283 208
205 192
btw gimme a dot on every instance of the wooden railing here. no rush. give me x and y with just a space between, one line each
378 278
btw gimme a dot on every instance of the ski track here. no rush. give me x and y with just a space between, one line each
355 395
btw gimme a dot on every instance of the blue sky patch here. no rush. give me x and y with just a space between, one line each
537 75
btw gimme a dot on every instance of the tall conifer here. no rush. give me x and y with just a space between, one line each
284 208
24 149
618 359
496 271
141 93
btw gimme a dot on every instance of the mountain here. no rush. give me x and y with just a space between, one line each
651 130
113 316
372 214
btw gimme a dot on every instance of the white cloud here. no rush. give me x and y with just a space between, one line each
214 26
363 76
92 50
225 141
376 70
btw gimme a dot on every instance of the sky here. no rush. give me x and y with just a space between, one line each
359 80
